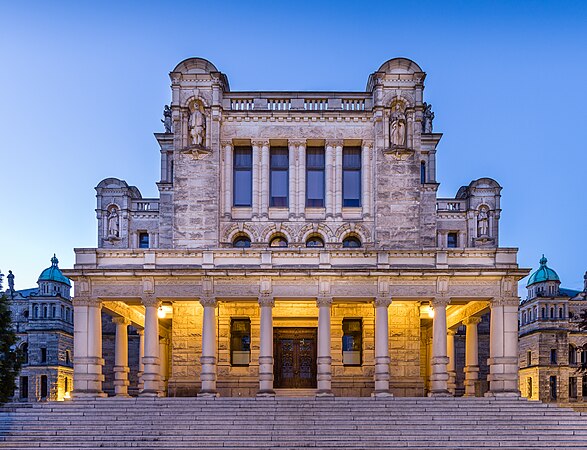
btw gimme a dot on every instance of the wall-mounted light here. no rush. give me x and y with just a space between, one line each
426 312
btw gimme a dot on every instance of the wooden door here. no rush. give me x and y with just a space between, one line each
295 357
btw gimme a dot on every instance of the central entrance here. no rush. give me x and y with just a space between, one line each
295 357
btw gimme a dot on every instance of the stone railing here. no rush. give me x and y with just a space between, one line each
291 101
451 205
145 205
355 260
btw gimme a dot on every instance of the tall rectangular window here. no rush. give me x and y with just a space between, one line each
240 342
242 186
351 176
143 240
452 240
24 387
315 177
352 342
529 358
43 355
44 386
552 387
279 178
553 356
572 387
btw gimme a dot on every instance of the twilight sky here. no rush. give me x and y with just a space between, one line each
82 89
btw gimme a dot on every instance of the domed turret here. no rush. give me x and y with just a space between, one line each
53 273
543 274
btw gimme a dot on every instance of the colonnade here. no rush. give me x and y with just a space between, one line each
333 151
88 362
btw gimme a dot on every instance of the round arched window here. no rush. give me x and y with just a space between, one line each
278 241
315 241
351 242
242 242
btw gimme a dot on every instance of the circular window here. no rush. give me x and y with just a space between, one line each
351 242
278 241
242 242
315 241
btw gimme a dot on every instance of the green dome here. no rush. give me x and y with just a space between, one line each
53 273
543 274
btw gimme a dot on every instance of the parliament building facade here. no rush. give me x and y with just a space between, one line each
298 245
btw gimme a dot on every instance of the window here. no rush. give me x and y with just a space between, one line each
572 354
53 311
240 342
529 358
62 312
560 313
524 318
35 311
543 313
67 357
315 177
66 385
279 165
243 176
278 241
44 390
242 242
67 315
351 242
529 382
572 387
45 311
143 240
24 387
43 355
551 312
584 386
553 356
422 172
583 357
315 241
351 176
452 240
24 351
552 386
352 342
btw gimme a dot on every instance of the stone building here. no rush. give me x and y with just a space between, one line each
298 243
551 346
43 321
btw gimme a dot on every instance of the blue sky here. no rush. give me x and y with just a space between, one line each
82 88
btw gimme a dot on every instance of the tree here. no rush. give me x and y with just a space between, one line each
10 360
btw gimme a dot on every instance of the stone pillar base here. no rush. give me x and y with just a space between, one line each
503 376
471 377
324 393
452 382
439 377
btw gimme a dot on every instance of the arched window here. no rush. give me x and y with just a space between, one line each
315 241
278 241
572 354
524 318
560 313
242 242
543 312
351 242
552 312
24 349
36 312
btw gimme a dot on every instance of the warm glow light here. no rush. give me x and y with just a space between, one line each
67 396
427 311
161 313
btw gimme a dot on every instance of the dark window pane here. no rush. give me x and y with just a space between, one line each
315 241
351 158
452 240
315 188
278 242
351 242
315 158
144 240
351 188
243 187
279 186
422 172
242 242
243 158
240 342
279 158
352 342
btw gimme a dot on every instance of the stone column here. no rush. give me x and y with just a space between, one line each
121 369
382 358
366 178
264 194
266 304
141 334
329 178
301 179
256 177
228 158
324 348
503 348
151 373
450 368
439 377
87 337
471 355
338 180
163 354
292 200
208 358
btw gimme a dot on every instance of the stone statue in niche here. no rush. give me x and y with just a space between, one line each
10 281
428 118
197 126
167 119
397 128
113 225
483 222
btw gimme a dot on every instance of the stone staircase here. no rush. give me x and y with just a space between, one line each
294 423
